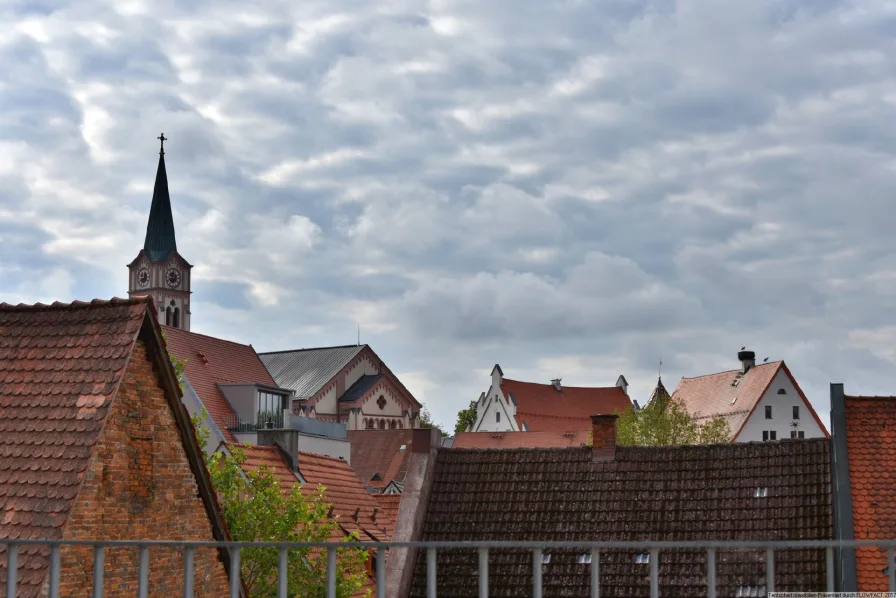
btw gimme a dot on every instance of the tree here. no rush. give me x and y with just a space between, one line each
427 422
256 508
668 423
466 418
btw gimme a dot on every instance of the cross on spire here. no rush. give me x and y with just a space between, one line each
162 139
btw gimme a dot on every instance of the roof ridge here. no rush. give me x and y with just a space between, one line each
76 304
562 387
217 338
730 371
328 457
871 397
310 349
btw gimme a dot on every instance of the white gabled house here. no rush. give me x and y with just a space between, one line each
760 402
514 406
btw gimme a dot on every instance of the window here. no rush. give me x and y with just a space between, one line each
769 435
381 402
800 434
796 412
177 317
781 391
765 435
768 412
168 316
497 416
750 592
584 559
545 559
760 492
270 410
642 558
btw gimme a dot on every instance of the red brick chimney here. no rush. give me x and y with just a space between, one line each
603 436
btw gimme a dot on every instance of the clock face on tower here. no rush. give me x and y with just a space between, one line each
143 277
173 278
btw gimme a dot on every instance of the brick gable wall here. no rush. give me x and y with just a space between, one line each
139 485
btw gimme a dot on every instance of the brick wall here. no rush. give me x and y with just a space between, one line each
139 485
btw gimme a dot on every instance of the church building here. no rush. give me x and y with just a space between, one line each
159 270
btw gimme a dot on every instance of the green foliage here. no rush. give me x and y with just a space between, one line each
177 363
466 418
427 422
257 509
668 423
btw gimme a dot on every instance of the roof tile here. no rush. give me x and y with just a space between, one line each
543 408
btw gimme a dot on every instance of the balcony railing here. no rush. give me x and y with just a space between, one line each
537 549
261 420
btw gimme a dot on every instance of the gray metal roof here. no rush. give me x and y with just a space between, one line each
305 371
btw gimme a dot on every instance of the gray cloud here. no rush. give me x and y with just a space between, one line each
578 186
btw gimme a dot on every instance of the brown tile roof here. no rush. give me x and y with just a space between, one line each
541 407
648 493
871 449
505 440
60 368
379 452
210 361
343 488
389 503
712 395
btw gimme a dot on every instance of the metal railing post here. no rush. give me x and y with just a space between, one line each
331 572
829 567
235 583
711 572
189 557
55 563
536 573
654 573
143 573
283 573
380 571
770 570
595 573
483 573
12 569
99 564
891 569
431 573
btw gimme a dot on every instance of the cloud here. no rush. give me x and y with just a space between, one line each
573 188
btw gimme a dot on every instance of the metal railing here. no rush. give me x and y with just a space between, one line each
260 421
537 549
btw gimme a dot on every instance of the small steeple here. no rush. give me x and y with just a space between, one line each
659 394
160 242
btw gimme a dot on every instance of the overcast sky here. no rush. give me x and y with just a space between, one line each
568 188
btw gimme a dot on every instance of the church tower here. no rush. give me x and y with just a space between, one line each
158 270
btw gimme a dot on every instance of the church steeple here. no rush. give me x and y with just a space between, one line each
159 270
160 242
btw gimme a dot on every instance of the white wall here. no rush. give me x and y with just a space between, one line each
494 402
782 413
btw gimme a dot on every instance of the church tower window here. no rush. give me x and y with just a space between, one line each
168 316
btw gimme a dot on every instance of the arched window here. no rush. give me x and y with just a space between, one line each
393 424
382 424
168 316
400 425
177 317
781 391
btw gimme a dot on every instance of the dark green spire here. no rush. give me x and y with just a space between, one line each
160 241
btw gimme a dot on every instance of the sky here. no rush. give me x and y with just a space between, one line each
572 188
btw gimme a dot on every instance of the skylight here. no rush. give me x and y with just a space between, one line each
750 591
760 492
642 558
585 559
545 559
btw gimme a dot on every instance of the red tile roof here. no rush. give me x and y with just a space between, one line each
389 503
60 369
210 361
703 492
507 440
541 407
871 450
343 488
379 452
712 395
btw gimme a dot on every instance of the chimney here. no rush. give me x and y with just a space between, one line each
556 384
747 360
603 437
